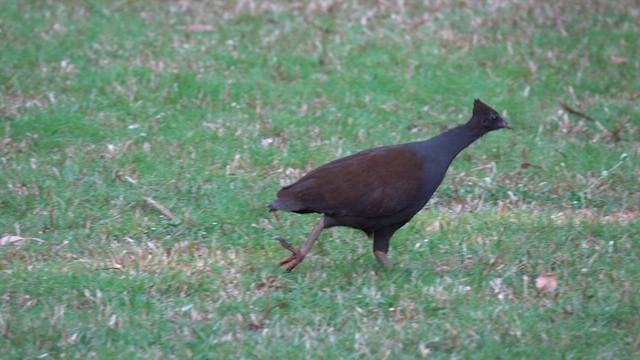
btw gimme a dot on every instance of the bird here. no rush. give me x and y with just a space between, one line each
379 190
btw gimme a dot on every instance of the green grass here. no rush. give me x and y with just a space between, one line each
103 104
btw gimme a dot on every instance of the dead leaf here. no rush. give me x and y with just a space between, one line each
424 350
10 239
618 59
20 189
266 142
546 282
255 326
533 67
197 28
501 290
113 321
73 339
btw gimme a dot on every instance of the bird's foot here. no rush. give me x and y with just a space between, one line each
290 262
381 256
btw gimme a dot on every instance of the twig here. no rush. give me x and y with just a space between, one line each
52 221
568 109
161 208
267 310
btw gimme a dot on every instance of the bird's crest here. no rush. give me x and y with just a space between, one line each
481 109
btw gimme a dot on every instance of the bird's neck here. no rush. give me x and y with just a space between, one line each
451 142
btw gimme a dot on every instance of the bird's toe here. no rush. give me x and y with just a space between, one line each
290 262
287 260
290 266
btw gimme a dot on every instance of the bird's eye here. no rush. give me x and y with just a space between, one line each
494 117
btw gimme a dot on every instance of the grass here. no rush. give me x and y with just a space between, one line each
209 108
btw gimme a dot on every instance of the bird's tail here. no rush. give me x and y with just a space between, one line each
287 205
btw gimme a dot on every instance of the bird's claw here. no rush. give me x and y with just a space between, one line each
290 262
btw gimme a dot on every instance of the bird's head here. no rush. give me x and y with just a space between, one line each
487 118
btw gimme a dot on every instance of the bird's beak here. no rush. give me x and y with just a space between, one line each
505 124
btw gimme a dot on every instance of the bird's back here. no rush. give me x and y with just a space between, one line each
388 182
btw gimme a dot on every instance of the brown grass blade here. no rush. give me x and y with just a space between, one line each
160 208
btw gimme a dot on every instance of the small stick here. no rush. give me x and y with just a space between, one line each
52 221
568 109
161 208
268 310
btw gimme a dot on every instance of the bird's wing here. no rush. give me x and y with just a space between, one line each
371 183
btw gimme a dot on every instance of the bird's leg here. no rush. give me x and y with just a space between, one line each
381 256
290 262
381 244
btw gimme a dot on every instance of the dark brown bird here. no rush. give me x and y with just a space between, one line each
379 190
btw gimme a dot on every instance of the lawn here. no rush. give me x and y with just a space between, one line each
141 141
